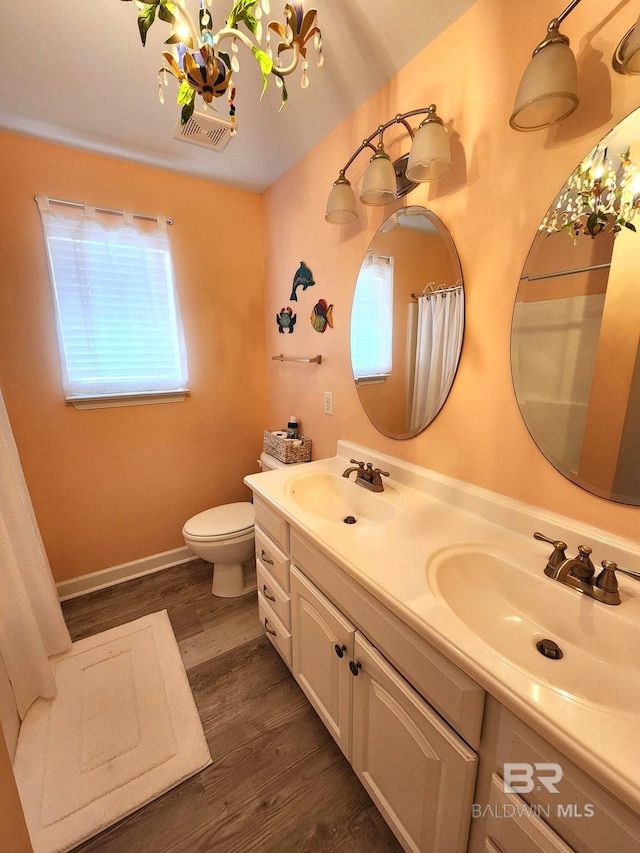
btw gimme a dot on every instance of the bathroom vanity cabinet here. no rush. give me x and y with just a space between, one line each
431 747
416 767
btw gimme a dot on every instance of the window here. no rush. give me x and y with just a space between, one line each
118 320
372 319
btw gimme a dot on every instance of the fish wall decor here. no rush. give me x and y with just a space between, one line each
322 316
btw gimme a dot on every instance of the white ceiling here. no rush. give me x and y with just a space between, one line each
76 73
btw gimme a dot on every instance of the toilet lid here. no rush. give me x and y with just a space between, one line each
227 520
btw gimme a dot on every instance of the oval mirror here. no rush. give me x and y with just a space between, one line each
575 358
407 322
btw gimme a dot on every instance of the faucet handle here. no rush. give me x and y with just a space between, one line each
379 471
355 462
607 579
559 548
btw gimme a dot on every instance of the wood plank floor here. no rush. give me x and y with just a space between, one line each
278 782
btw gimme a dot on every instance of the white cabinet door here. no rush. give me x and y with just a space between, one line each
322 640
419 773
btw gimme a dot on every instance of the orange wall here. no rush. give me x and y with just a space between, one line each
500 187
113 485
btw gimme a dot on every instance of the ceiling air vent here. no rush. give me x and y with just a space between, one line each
208 131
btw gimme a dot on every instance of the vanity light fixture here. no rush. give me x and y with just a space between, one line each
548 91
195 58
384 181
626 59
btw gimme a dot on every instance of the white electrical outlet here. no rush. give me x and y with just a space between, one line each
328 402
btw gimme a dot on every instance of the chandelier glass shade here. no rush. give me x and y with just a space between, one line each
602 194
384 181
203 59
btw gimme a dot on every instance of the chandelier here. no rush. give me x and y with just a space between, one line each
601 195
196 59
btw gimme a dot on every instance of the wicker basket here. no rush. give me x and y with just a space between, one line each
285 450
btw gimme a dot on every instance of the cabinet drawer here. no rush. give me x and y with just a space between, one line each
588 818
279 636
516 827
275 561
452 693
273 523
278 599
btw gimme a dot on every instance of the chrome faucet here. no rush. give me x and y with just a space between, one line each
578 572
367 476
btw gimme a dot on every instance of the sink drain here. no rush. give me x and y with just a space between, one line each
549 649
349 520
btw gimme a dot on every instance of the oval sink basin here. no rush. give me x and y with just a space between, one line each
511 607
334 498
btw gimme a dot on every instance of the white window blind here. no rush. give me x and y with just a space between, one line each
118 320
372 319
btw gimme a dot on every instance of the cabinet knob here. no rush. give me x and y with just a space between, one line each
265 558
354 667
268 629
340 650
266 594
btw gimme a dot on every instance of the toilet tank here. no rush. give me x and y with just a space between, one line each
269 462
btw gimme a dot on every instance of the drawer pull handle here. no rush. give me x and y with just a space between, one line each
340 650
354 667
266 594
268 629
264 558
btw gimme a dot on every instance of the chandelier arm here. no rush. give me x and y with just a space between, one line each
399 119
233 33
187 20
289 69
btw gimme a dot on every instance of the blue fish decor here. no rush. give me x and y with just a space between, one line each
322 316
302 277
286 320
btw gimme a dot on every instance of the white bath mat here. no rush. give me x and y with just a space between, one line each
122 730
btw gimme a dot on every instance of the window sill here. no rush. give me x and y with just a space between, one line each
110 401
372 380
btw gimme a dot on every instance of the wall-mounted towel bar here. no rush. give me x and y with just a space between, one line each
317 359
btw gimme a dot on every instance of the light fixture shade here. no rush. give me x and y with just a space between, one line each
341 204
626 59
430 155
548 90
379 182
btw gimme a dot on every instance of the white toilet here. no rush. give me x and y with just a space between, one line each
224 536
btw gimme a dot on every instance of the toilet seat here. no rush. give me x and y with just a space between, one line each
229 521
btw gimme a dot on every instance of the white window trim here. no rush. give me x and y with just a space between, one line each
112 401
108 398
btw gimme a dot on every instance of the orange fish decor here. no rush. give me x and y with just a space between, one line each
322 316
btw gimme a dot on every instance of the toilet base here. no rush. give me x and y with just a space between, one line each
231 580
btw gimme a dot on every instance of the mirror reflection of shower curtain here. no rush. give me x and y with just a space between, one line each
31 622
439 338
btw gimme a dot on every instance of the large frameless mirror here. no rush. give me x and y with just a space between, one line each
576 325
407 322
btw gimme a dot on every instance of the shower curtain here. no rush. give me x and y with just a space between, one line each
32 626
439 338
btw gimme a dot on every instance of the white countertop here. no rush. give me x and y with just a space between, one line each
393 559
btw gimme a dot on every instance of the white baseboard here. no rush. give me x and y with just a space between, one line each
83 584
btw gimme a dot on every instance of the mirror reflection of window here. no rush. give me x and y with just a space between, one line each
411 249
372 320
